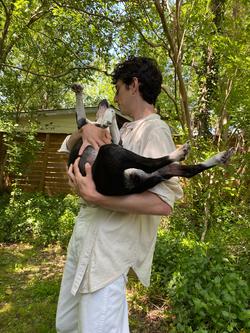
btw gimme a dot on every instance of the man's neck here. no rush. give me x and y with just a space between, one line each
143 111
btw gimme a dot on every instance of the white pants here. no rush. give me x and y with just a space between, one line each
103 311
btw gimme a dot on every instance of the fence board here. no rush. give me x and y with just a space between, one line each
47 173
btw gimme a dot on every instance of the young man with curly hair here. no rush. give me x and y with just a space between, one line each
115 234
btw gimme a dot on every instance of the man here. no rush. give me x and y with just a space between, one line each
115 234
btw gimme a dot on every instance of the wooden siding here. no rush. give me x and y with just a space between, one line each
48 172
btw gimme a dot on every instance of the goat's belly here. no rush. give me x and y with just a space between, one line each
108 171
109 182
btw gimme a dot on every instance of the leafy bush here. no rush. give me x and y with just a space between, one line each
21 146
37 218
207 290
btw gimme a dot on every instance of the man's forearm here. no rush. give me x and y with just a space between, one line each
142 203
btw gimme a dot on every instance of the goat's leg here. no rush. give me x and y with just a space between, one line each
136 180
180 153
109 121
102 117
106 118
189 171
79 108
118 158
116 171
153 164
114 130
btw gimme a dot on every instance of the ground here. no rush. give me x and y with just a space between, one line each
29 286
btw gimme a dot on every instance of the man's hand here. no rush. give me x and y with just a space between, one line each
94 136
84 186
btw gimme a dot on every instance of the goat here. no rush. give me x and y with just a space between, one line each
118 171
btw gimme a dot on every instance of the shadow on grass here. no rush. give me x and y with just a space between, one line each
29 287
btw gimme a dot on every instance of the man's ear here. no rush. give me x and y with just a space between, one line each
135 85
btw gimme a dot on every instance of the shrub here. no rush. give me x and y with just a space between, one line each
207 291
37 218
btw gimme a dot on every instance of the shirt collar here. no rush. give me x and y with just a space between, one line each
134 123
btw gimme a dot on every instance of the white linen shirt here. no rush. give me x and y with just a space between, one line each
106 243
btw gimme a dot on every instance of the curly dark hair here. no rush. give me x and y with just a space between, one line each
146 70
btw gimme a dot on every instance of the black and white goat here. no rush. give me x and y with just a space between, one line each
118 171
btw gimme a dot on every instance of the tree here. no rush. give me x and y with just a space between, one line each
201 47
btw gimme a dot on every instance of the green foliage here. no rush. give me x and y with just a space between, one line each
203 283
21 147
37 218
207 282
207 289
211 199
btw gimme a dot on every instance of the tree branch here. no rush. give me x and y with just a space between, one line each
144 38
67 46
8 15
223 107
178 68
164 88
164 25
4 6
151 24
93 68
35 17
81 10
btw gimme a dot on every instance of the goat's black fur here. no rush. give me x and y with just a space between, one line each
112 161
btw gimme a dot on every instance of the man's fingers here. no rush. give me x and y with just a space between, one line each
95 145
88 169
76 167
71 176
108 136
106 141
95 136
83 146
70 171
71 184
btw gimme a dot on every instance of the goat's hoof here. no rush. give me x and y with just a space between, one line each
186 148
77 87
180 153
223 157
183 151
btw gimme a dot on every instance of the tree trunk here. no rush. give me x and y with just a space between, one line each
208 86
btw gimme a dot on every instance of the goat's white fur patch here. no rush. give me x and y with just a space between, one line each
219 158
130 172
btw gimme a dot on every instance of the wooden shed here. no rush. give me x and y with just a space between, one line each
48 172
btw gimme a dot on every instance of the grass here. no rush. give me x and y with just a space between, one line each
29 287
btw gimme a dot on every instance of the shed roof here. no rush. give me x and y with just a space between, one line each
61 120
